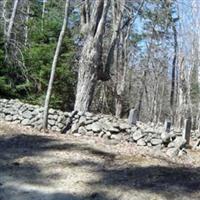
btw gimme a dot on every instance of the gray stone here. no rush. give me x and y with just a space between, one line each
124 126
82 121
115 137
132 118
74 128
141 142
55 128
108 133
95 127
60 125
88 121
149 144
51 122
137 135
187 130
155 141
113 130
8 118
82 130
25 122
171 145
133 129
52 111
27 114
88 114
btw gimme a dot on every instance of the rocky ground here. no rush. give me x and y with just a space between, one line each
39 166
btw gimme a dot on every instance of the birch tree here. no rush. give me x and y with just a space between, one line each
11 21
53 68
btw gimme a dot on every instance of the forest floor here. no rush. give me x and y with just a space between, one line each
40 166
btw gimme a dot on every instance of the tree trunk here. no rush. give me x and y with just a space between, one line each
172 94
90 62
11 21
53 68
4 17
182 95
43 14
26 25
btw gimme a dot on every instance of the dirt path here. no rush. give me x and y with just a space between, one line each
37 166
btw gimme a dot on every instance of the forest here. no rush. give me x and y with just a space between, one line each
99 99
104 56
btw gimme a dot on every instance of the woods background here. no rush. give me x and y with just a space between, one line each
112 56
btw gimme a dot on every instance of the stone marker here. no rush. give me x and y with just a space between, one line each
132 118
167 125
187 130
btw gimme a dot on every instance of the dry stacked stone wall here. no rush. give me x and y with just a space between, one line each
105 126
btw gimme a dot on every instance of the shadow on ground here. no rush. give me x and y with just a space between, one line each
164 180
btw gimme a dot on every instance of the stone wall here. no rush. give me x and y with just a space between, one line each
31 115
100 125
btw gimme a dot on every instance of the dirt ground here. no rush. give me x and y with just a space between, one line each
40 166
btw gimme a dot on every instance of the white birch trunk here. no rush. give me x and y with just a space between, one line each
26 25
53 68
11 21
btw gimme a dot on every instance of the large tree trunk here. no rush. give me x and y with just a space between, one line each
53 68
90 62
121 72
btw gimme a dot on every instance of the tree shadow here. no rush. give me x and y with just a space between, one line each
167 181
20 146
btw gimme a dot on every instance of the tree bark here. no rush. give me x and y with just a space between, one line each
11 21
53 68
90 62
172 94
26 25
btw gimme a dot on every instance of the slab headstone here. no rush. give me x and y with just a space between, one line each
132 118
187 130
167 126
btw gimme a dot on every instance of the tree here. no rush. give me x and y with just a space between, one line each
53 68
90 65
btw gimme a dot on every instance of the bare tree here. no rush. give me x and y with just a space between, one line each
11 21
53 68
90 65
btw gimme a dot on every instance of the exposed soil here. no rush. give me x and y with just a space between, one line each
40 166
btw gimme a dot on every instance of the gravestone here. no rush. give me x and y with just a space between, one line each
187 130
133 115
167 125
